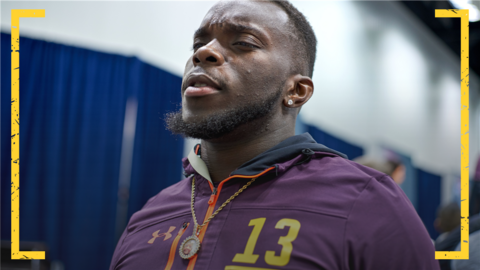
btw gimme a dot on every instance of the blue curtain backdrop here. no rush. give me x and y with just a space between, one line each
351 150
429 192
72 108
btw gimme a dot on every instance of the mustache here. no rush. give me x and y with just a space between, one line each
220 81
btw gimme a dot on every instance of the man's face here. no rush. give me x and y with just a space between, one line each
238 70
187 248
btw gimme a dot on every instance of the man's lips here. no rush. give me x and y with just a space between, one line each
200 85
193 91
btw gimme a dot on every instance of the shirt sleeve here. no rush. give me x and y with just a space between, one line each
383 231
117 254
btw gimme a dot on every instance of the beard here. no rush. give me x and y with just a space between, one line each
224 122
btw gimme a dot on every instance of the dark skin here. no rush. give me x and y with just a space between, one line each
249 62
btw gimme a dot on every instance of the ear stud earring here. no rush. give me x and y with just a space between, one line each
290 102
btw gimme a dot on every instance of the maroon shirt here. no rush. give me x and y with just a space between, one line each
310 208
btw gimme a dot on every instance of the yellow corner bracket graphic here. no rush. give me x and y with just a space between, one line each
464 123
15 134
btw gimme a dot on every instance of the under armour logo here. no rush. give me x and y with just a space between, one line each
167 235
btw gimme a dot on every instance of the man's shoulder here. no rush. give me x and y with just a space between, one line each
360 185
335 175
341 168
346 174
328 185
378 215
170 202
178 190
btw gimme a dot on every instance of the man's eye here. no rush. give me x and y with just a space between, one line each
196 46
245 44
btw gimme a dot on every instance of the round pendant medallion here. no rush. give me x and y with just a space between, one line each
189 247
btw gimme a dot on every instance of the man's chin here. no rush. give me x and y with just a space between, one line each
225 123
198 127
192 119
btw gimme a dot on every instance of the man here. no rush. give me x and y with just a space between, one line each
448 218
256 196
188 247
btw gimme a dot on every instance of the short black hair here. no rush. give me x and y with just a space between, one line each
304 35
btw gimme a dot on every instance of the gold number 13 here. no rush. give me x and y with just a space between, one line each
285 241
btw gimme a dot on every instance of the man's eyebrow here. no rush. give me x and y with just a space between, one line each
200 32
233 27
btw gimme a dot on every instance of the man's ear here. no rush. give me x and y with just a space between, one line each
300 91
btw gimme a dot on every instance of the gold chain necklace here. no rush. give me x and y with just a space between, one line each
191 244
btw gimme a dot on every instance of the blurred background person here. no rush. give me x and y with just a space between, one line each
448 218
475 191
473 263
451 241
393 168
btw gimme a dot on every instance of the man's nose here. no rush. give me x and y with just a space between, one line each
208 55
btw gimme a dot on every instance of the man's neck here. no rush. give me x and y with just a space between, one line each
223 157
